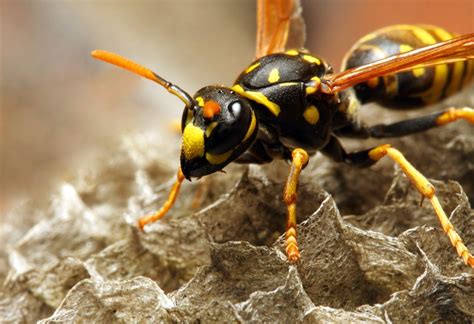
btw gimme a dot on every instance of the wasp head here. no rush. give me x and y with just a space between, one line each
219 128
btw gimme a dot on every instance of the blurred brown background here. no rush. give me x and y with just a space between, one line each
60 109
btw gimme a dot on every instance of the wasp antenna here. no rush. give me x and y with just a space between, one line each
136 68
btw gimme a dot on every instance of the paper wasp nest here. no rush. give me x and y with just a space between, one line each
369 252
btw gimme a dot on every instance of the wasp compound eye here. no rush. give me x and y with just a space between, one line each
229 131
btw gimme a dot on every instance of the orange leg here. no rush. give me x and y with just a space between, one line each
453 114
166 206
427 190
299 161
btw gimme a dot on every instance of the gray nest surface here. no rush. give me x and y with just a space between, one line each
370 253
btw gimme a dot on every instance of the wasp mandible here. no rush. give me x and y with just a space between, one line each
289 104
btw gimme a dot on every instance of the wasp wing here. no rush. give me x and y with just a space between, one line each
280 25
460 48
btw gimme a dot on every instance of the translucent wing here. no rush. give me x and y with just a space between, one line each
460 48
279 26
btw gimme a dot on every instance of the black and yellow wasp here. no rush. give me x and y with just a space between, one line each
289 104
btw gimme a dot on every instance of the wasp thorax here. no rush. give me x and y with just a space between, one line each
220 128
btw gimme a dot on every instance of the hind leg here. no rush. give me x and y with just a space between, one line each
409 126
424 187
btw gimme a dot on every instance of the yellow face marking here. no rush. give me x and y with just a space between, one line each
252 67
200 101
311 59
258 97
274 76
193 142
253 124
210 128
218 158
311 115
292 52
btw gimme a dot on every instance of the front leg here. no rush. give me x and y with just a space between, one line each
299 159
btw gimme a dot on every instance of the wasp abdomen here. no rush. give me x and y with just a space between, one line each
415 88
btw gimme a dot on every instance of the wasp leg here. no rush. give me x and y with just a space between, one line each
371 156
299 159
166 206
410 126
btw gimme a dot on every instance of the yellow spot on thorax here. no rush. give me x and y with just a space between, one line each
193 142
292 52
310 90
274 76
311 115
313 85
311 59
258 97
252 67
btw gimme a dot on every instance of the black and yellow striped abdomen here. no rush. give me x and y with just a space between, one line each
414 88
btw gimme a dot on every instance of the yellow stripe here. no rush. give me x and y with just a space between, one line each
456 78
469 73
258 97
218 158
253 124
210 128
252 67
390 80
416 72
434 93
442 34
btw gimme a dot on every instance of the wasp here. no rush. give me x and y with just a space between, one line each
289 104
